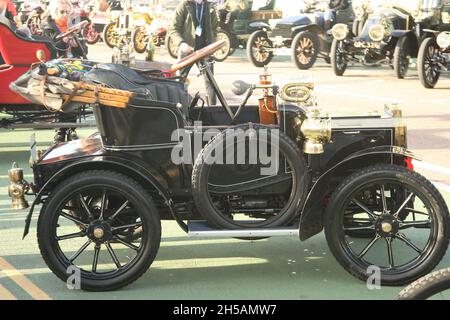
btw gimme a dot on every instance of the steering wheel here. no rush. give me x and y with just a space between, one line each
197 55
73 29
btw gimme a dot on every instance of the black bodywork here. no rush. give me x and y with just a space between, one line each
137 142
324 180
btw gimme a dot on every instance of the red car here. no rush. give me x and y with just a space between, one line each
18 53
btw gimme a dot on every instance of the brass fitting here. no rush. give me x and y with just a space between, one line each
394 110
16 189
316 130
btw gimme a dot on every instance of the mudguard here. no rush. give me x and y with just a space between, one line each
309 27
259 25
100 162
311 214
401 33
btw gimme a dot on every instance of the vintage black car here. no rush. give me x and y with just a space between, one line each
103 197
434 52
392 34
306 35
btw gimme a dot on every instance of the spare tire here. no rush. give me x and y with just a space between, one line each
225 192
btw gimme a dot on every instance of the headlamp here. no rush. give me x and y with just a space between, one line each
376 32
443 40
340 31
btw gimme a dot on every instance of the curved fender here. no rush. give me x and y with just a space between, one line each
400 33
101 161
259 25
311 216
308 27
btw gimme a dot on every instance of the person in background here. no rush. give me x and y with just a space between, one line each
194 26
8 9
58 22
334 6
229 11
101 6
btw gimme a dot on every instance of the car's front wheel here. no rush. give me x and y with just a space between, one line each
427 65
110 36
140 39
401 57
403 212
88 226
305 49
338 57
259 49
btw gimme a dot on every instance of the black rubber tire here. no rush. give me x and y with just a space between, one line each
106 32
171 49
338 67
136 33
374 173
223 53
314 38
142 202
426 45
401 48
253 37
214 217
427 286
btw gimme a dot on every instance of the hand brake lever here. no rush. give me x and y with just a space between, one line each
242 105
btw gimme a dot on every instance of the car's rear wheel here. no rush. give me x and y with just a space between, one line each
407 216
171 47
223 53
427 65
87 227
236 194
259 49
91 36
338 57
305 49
140 39
401 57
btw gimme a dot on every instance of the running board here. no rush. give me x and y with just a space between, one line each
202 229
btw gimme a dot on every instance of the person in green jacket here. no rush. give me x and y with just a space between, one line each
194 26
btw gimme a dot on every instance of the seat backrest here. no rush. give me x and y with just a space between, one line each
168 91
7 22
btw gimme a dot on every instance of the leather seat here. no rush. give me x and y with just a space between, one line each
155 89
131 74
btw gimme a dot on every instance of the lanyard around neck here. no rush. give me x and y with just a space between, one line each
199 19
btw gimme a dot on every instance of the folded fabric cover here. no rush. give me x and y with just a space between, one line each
154 89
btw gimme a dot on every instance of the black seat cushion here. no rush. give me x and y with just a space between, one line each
131 74
155 89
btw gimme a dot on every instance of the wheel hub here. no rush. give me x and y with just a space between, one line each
387 226
99 231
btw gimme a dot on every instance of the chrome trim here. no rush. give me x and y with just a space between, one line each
202 229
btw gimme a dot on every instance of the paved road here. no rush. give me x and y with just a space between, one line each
278 268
